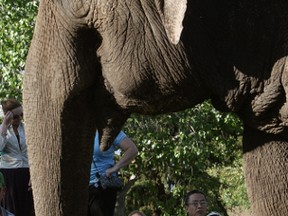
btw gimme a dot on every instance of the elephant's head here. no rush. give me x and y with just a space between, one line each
126 58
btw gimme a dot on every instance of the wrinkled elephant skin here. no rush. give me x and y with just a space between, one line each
93 63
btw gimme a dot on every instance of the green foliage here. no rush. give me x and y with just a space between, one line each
16 27
197 148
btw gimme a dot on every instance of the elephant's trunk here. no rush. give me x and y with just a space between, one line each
59 113
109 118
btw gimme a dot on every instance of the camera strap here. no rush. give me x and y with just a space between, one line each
97 173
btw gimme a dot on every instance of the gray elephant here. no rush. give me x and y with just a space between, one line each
93 63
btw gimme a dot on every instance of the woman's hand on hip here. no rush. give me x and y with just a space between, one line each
110 171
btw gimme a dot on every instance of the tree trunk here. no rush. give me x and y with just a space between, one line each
266 168
120 205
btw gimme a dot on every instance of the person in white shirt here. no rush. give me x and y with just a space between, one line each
14 161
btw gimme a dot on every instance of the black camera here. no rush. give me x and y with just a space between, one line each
110 182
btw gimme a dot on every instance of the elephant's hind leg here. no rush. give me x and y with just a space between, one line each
266 168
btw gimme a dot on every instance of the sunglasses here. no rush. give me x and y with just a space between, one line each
18 116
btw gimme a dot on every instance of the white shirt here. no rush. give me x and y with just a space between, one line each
13 153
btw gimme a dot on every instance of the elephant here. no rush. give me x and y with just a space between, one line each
91 64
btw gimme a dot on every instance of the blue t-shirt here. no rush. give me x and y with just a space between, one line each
103 160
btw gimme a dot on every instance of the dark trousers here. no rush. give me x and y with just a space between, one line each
101 202
18 199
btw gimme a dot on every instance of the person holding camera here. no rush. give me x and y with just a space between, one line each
14 160
104 183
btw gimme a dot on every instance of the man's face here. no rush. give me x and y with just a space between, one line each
197 205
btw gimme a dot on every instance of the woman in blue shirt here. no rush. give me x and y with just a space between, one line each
102 201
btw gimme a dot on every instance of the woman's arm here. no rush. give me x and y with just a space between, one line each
8 117
6 122
4 127
130 152
3 137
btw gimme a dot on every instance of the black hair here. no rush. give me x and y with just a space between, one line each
9 104
186 198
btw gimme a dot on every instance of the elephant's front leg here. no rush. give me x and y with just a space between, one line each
266 168
60 140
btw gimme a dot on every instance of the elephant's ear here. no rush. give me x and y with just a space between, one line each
172 14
